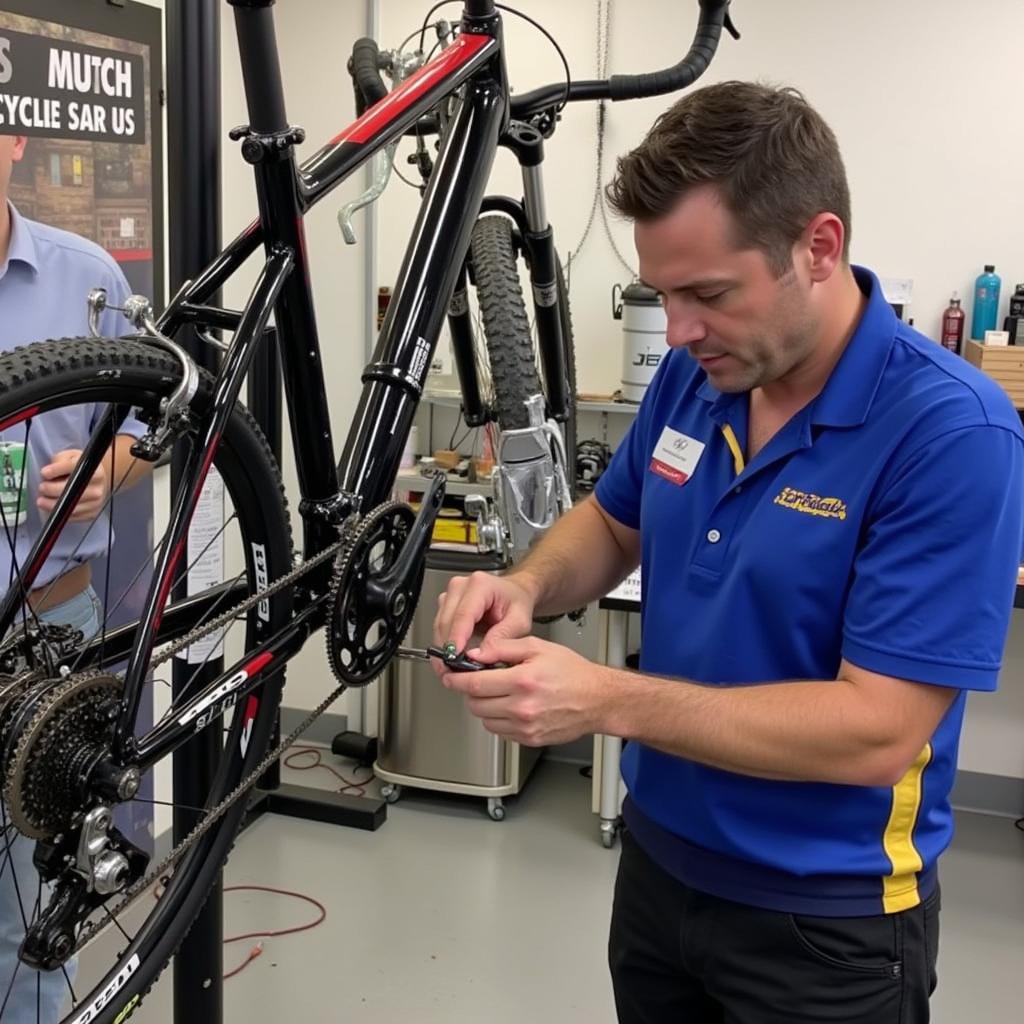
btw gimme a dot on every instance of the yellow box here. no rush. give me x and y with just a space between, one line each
451 531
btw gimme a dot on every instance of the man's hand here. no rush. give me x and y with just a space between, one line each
501 607
55 477
548 694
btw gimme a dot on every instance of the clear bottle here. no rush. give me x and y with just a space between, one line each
953 325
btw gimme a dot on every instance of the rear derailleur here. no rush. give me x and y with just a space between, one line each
87 866
58 789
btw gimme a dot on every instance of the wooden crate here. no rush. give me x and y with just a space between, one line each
1003 363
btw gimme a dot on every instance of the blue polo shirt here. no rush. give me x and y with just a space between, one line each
882 524
44 284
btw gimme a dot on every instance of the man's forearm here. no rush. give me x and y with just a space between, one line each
578 560
824 731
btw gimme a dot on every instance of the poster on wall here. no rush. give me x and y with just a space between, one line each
81 79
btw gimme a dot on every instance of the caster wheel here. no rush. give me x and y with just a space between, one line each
609 834
496 810
390 792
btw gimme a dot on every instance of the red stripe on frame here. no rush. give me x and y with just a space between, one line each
19 417
257 663
464 49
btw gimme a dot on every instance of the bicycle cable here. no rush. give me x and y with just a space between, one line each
604 12
519 14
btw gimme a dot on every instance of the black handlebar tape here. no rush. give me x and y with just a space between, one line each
365 72
687 71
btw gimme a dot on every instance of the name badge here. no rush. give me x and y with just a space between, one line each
675 456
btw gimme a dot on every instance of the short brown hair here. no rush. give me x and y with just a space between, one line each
773 158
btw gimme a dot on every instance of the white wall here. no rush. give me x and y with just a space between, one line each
921 95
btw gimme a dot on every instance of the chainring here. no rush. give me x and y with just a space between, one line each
66 726
362 634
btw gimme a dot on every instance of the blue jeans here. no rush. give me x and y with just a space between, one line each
84 612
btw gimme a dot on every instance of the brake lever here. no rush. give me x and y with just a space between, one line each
729 27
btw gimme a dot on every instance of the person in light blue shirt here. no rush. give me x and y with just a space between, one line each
46 275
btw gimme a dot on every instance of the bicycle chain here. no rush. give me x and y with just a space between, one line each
89 931
282 583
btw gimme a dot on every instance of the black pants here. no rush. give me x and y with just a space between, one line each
678 956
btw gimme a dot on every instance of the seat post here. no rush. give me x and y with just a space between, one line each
261 66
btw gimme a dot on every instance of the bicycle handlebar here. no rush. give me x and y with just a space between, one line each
714 16
364 67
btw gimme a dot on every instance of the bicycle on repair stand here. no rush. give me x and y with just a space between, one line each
72 743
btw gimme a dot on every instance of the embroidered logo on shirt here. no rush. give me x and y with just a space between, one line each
812 504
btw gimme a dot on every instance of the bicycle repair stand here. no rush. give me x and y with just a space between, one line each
193 109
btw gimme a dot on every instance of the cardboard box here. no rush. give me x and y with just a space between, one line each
1004 364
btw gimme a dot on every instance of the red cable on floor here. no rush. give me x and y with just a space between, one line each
256 950
350 786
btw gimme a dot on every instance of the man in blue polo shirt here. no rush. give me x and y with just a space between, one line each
45 277
829 512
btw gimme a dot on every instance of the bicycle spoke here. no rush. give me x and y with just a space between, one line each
117 924
39 974
110 551
184 572
10 988
71 988
85 536
209 654
17 896
12 538
169 803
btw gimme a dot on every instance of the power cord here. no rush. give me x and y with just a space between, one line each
357 787
257 950
604 19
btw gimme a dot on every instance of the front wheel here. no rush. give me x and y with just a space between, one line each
51 396
511 350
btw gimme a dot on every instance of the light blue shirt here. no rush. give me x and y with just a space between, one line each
44 284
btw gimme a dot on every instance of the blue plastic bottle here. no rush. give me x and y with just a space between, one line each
986 303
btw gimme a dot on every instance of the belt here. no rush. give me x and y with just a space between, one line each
62 589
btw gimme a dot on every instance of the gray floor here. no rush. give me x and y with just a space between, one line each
446 916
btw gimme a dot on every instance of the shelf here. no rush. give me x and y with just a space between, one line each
453 400
408 480
629 408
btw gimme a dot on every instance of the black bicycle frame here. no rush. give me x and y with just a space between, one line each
393 381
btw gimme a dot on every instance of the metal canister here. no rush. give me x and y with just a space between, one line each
643 336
